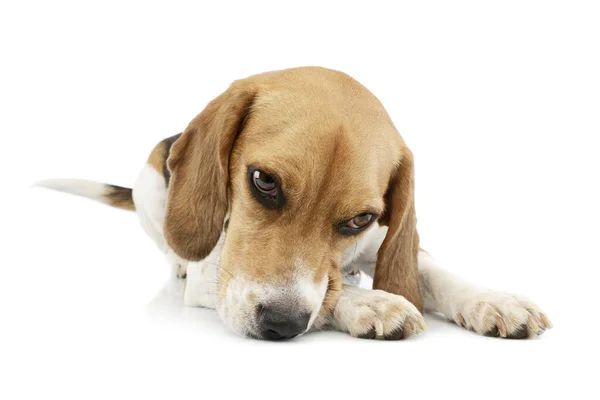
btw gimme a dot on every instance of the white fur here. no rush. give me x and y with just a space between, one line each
150 199
237 309
78 187
363 254
476 308
313 295
201 285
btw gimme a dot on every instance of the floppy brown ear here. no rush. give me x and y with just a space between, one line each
199 166
396 270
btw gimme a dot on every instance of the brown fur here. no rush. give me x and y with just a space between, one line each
336 153
396 270
157 157
119 197
198 163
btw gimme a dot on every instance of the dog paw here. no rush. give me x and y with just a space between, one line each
502 315
201 285
375 314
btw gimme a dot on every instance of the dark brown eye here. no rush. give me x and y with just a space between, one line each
360 221
265 188
356 224
264 183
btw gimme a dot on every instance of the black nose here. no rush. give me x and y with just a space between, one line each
277 324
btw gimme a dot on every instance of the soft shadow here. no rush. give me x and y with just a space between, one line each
168 299
167 305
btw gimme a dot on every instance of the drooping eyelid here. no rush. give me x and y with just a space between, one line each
347 231
376 213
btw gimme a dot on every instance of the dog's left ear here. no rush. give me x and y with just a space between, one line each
396 270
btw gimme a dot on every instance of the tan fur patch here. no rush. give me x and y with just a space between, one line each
157 157
119 197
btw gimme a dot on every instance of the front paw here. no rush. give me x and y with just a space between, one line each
201 285
375 314
502 315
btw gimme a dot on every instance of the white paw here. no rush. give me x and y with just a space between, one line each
375 314
201 285
502 315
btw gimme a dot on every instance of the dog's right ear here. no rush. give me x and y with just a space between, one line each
199 166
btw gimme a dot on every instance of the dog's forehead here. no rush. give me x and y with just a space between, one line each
311 97
308 129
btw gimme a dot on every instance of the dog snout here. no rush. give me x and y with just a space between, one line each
278 324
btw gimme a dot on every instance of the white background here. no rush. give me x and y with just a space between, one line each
499 101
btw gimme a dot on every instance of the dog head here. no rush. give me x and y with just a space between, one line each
292 167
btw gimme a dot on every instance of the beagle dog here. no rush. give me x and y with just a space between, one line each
279 194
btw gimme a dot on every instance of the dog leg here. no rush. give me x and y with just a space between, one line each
375 314
201 285
202 277
486 312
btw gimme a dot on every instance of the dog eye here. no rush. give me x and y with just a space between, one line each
360 221
265 188
356 224
264 183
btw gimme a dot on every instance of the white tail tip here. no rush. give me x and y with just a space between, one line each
79 187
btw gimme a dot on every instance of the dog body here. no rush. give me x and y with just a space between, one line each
279 194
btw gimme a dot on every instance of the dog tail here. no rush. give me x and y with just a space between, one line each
116 196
